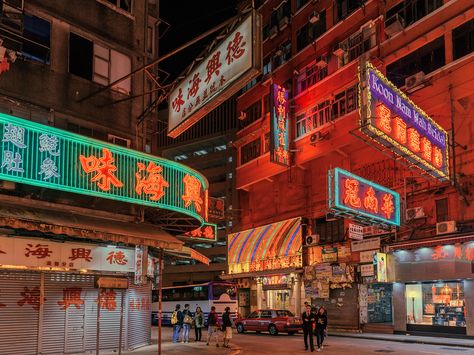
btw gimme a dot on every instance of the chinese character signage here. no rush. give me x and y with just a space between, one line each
362 200
279 126
207 232
44 254
394 121
216 208
44 156
227 68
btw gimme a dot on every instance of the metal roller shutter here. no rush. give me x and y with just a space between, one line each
139 316
63 322
18 319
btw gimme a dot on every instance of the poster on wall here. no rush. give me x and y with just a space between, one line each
381 264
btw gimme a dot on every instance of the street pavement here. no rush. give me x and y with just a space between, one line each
264 344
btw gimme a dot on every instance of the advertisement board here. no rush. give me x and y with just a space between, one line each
279 126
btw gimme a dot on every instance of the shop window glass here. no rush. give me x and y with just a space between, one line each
436 304
463 40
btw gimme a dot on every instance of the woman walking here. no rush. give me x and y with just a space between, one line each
198 323
321 325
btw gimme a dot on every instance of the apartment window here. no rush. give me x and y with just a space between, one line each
344 8
283 11
326 111
95 62
283 54
442 210
266 104
250 151
329 231
410 11
300 3
267 65
37 43
125 5
309 32
311 75
123 142
250 85
266 143
150 38
357 44
265 31
463 39
427 59
88 132
254 112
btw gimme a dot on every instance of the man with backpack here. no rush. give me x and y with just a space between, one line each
212 326
177 322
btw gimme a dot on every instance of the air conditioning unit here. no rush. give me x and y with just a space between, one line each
283 23
415 80
322 61
242 116
340 49
317 137
414 213
394 24
312 239
314 17
445 227
273 32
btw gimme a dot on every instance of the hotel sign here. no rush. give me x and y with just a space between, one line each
279 126
390 118
44 156
234 62
362 200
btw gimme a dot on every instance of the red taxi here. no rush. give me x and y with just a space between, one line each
273 321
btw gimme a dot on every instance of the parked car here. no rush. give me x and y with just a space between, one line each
273 321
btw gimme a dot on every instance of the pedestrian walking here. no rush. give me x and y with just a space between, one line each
198 323
212 326
187 321
308 320
321 326
177 322
227 325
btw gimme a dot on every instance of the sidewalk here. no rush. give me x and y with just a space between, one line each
414 339
168 347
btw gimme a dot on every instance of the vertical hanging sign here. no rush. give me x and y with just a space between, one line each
279 126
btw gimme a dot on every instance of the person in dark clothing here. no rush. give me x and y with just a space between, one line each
198 323
321 325
227 325
308 320
212 325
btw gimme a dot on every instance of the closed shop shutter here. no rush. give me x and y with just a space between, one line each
342 307
139 316
19 314
64 312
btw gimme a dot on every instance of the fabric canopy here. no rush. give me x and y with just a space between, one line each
277 241
189 253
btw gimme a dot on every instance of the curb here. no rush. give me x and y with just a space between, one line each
399 340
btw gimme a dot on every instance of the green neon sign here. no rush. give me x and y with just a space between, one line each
35 154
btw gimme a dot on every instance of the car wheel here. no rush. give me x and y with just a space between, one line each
240 328
291 333
273 330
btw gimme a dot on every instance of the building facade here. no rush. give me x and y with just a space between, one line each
83 204
313 52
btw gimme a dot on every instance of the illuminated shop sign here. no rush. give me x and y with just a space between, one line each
393 120
234 62
279 126
35 154
208 232
362 200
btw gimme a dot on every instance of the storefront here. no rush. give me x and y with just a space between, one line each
434 287
268 260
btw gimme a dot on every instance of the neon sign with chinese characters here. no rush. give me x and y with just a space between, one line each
393 120
363 200
35 154
207 232
279 126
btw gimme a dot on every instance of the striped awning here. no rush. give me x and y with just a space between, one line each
273 246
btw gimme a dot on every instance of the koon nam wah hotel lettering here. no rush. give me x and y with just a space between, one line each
393 120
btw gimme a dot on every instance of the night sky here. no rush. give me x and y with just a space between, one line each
188 19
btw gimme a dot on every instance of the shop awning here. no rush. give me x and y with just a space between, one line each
189 253
87 227
273 246
432 242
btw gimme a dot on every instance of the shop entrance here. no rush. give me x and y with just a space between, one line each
278 299
437 307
